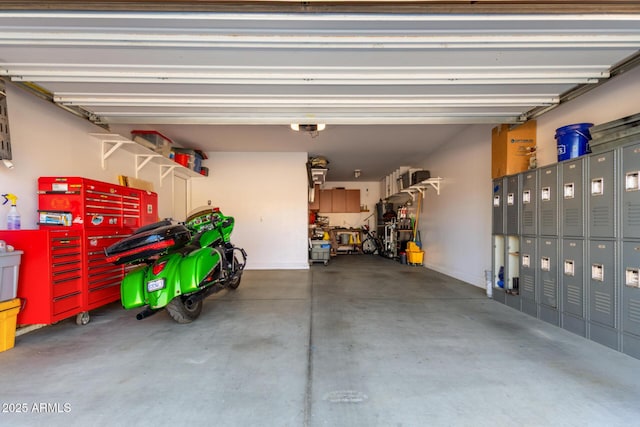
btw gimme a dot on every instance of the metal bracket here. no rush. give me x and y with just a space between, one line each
146 158
421 187
164 171
112 147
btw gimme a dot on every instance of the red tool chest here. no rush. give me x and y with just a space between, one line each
63 271
51 273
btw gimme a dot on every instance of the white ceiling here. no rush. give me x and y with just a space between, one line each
390 87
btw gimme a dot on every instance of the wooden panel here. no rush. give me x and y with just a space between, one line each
339 200
353 201
325 197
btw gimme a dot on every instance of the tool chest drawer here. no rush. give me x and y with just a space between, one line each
131 209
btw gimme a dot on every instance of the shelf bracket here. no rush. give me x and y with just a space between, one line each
146 158
164 171
435 183
108 148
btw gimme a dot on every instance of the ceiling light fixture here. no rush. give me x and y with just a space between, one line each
308 128
313 129
356 173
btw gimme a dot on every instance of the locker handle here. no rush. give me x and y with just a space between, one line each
597 186
632 277
597 272
631 182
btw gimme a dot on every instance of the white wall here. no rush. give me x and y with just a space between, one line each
456 226
369 196
266 192
613 100
47 141
267 195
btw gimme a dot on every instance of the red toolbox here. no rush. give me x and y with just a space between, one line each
63 270
51 274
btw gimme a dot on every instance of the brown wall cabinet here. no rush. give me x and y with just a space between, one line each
337 200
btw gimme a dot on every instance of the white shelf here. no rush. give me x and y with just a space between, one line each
112 142
413 190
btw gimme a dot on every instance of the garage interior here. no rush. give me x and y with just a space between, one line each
364 340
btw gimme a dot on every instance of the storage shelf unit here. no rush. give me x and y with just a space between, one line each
579 253
143 156
412 191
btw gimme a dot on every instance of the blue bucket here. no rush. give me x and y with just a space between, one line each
573 140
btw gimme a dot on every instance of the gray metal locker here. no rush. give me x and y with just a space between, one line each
631 298
630 192
512 203
602 312
572 197
498 206
548 200
572 270
601 195
528 200
548 280
528 263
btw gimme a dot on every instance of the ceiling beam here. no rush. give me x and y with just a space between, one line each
327 6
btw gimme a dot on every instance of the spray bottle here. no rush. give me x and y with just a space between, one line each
13 219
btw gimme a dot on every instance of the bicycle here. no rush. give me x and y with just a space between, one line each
371 244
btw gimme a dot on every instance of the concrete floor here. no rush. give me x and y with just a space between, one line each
364 341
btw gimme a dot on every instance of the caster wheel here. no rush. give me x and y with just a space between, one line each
83 318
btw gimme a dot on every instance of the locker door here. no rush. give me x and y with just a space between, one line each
548 200
601 195
513 204
528 200
631 288
572 198
602 283
498 206
631 192
548 272
572 274
528 259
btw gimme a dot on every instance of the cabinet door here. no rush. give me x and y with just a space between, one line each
325 197
353 201
339 200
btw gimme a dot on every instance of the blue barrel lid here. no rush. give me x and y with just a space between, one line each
574 127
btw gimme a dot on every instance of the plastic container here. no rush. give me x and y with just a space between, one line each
153 140
9 267
182 159
573 141
8 319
